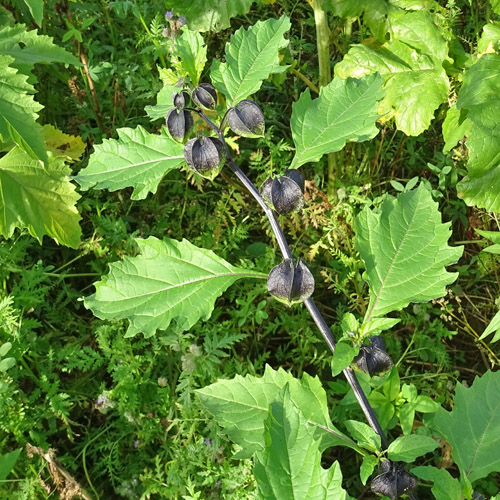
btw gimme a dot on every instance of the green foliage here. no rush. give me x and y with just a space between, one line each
138 159
404 248
7 462
38 198
251 56
290 464
346 110
472 427
445 487
190 55
168 281
411 64
241 406
409 448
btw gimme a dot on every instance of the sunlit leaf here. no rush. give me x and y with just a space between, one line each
251 56
346 110
445 486
473 426
138 159
69 147
405 251
171 283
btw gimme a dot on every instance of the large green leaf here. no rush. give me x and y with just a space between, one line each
36 10
411 64
138 159
404 248
479 104
7 462
41 199
445 486
170 281
251 56
18 111
190 55
409 448
346 110
473 426
241 405
29 48
290 465
209 15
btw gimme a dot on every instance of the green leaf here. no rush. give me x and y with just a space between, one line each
170 281
5 348
138 159
445 486
343 355
6 363
495 4
241 405
455 128
479 97
190 54
493 326
365 436
411 64
209 15
36 10
346 110
404 248
473 426
37 198
290 465
29 48
408 448
377 325
19 111
7 463
164 103
367 467
251 56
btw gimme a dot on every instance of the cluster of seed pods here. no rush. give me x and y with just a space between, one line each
290 281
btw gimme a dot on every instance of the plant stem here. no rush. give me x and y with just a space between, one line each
309 303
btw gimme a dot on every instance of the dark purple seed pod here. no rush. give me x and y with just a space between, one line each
205 155
180 99
205 96
373 359
282 194
296 175
393 480
179 123
246 119
290 283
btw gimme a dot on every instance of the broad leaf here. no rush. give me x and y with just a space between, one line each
411 64
363 434
190 55
69 147
7 462
29 48
138 159
169 282
346 110
473 426
241 405
496 6
18 111
367 467
343 355
290 465
408 448
37 198
209 15
445 486
164 103
36 10
251 56
405 251
479 100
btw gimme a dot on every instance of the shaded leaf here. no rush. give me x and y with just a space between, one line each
251 56
7 462
493 326
411 64
346 110
138 159
343 356
290 465
445 486
209 15
36 10
39 199
473 426
69 147
241 405
404 248
169 282
367 467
